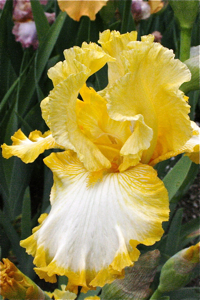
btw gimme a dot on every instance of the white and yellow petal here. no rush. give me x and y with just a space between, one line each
92 232
28 149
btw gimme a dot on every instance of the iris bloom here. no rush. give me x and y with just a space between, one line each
106 198
78 8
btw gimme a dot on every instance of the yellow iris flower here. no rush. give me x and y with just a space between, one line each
107 198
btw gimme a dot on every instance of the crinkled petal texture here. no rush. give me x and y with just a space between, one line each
62 294
78 8
28 149
91 232
191 148
148 84
59 109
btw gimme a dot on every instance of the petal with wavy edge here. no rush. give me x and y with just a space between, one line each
64 124
76 9
62 294
114 43
191 148
89 58
28 149
92 232
150 87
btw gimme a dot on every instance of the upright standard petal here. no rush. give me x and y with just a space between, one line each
92 232
114 43
59 108
28 149
78 8
150 87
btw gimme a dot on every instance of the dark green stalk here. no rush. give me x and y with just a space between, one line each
126 14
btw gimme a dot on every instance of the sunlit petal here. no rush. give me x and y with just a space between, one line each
92 232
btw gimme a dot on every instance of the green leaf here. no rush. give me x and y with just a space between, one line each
137 280
6 17
42 57
126 16
40 19
192 293
19 179
82 296
174 179
13 237
26 215
189 232
172 243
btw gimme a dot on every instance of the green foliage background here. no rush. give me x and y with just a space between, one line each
25 188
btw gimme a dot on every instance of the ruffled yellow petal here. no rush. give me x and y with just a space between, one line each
109 135
89 58
64 125
62 294
114 43
150 87
78 8
92 232
28 149
191 148
59 109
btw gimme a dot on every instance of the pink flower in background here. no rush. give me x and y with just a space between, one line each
2 3
157 36
26 34
140 10
24 28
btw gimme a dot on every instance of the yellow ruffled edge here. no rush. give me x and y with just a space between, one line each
62 294
47 269
191 148
28 149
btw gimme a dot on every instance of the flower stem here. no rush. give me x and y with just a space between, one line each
185 43
156 295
